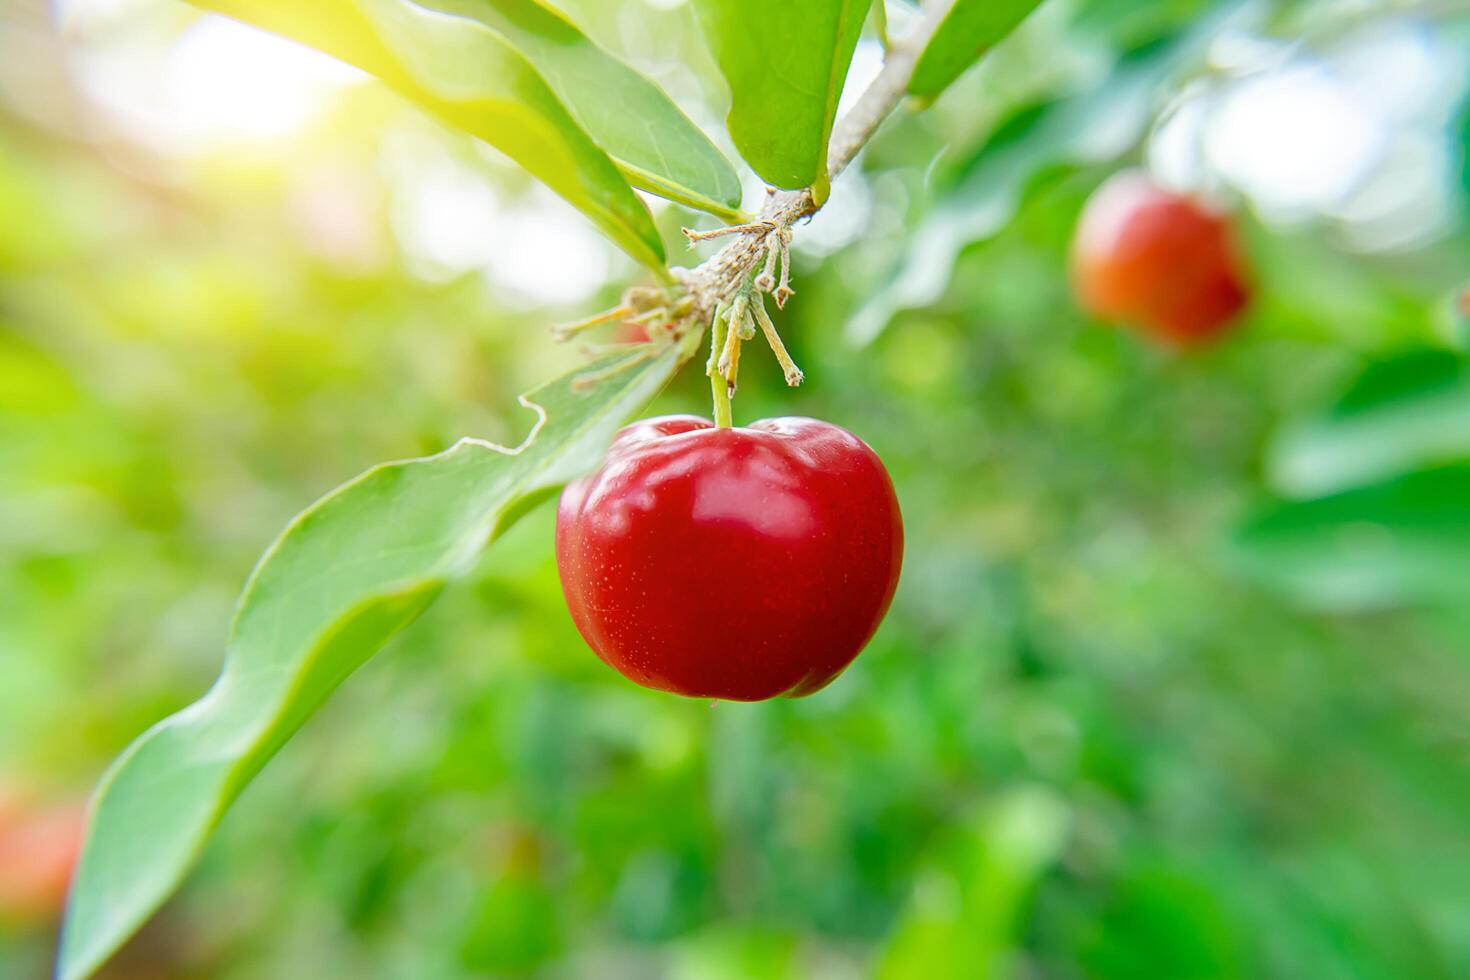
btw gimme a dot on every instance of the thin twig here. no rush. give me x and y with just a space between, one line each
783 357
566 331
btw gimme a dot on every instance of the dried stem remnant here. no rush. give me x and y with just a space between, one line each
710 292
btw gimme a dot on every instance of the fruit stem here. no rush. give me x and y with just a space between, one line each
695 237
567 331
717 384
766 281
788 366
783 289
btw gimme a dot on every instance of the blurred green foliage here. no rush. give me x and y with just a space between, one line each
1097 737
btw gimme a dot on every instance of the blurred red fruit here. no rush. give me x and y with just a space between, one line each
39 846
1162 261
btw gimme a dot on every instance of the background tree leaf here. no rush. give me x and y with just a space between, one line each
785 64
1398 415
473 79
348 572
655 145
971 28
1404 540
986 868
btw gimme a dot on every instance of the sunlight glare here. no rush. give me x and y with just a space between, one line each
450 221
227 81
220 83
1295 140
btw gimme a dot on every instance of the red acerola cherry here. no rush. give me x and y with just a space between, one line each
739 563
1160 260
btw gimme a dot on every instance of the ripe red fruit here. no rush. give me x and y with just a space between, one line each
1161 260
739 563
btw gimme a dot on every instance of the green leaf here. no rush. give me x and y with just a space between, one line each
1402 414
473 79
785 64
655 145
347 573
1401 541
971 28
972 889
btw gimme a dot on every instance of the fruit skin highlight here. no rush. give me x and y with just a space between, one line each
732 563
1162 261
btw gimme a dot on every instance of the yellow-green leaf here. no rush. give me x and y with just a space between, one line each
475 80
348 573
655 145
